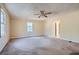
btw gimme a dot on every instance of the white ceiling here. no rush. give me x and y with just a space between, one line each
27 10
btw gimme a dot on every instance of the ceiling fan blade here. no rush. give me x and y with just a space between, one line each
46 16
36 14
48 13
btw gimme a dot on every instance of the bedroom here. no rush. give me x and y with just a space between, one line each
39 28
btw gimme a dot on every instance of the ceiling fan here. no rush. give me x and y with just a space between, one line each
43 13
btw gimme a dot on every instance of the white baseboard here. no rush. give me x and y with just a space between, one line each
25 37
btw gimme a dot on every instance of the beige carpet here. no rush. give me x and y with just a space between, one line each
40 46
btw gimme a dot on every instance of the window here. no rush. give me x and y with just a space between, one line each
3 17
29 27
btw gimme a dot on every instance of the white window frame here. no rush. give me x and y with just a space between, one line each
3 23
29 27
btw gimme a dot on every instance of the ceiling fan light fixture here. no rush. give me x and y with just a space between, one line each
43 13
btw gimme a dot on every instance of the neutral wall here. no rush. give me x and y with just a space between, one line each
69 26
4 39
19 28
49 28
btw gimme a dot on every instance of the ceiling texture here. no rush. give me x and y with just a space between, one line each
27 10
